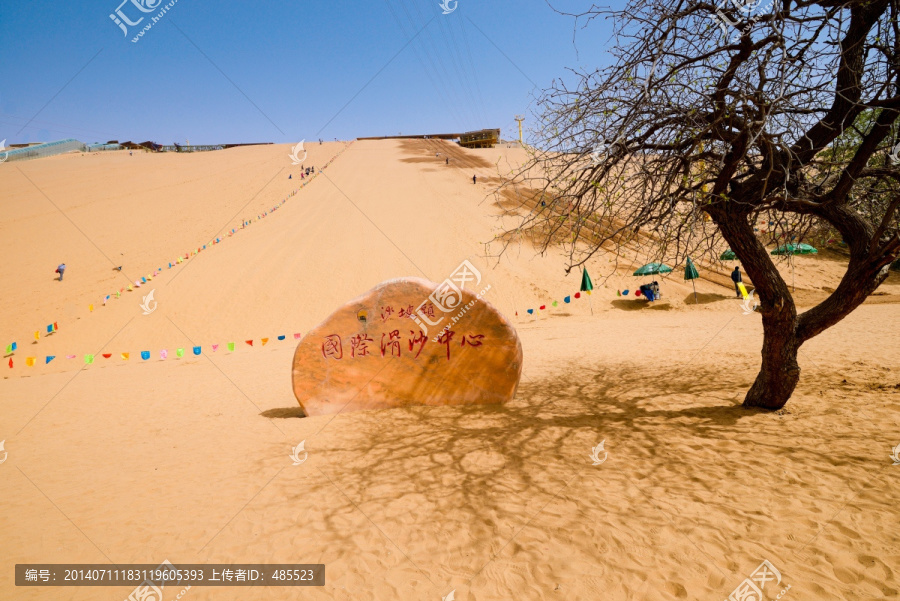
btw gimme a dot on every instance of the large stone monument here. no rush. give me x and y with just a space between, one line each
408 342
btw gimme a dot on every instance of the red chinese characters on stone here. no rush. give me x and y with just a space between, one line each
474 340
359 346
445 337
331 347
419 339
407 312
393 342
386 312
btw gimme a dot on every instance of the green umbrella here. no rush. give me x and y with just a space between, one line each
690 273
728 255
795 249
653 269
586 286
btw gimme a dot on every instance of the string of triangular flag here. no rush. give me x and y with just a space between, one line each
587 286
180 259
163 354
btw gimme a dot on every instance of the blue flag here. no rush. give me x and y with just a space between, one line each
49 358
145 355
281 337
196 350
530 311
568 299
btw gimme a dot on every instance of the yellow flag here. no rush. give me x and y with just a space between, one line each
37 335
130 288
29 361
149 277
125 356
91 308
264 341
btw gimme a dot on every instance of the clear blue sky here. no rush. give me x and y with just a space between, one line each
227 72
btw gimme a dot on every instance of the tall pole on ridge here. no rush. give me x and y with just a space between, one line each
520 118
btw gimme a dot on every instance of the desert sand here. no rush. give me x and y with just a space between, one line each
187 459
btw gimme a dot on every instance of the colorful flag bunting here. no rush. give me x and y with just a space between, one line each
125 356
264 341
50 329
107 355
70 356
230 346
37 335
164 354
297 336
91 308
554 303
196 350
530 311
542 307
88 359
179 352
29 361
49 358
568 299
281 337
577 295
215 347
145 355
250 342
11 347
55 327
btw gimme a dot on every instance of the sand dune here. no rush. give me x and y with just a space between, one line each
136 462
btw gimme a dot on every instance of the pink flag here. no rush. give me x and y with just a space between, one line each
297 336
214 347
163 354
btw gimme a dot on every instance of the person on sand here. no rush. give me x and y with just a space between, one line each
736 278
60 270
448 160
473 179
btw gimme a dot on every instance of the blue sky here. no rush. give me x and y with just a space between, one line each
217 72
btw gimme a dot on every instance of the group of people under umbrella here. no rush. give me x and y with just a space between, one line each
650 291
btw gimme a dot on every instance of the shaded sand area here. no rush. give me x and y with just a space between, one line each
188 459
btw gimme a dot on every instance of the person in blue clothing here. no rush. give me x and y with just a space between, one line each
60 270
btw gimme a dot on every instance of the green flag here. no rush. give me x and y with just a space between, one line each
586 284
231 346
690 271
88 359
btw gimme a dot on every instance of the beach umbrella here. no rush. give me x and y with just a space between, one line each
690 273
794 249
728 255
653 269
586 286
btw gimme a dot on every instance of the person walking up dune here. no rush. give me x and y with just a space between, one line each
60 270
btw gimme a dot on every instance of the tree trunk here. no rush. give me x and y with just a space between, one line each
779 372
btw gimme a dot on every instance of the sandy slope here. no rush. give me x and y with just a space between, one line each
188 460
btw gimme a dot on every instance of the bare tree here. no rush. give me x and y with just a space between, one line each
783 113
